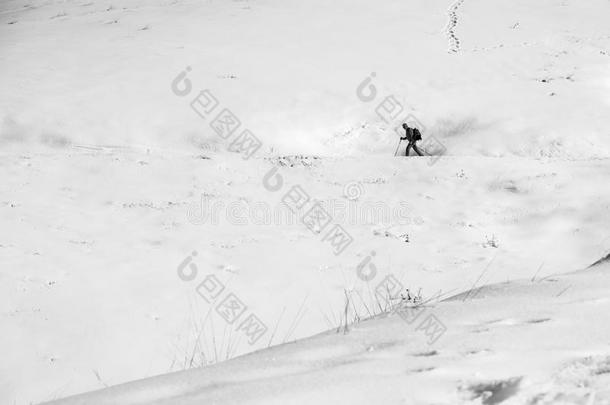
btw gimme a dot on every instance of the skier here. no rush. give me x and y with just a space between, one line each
412 135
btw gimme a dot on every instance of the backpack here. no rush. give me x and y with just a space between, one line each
416 135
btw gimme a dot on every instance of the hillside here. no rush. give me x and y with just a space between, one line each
115 172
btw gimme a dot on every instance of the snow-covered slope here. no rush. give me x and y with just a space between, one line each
93 296
105 171
100 72
522 342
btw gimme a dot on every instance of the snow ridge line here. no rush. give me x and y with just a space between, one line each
454 42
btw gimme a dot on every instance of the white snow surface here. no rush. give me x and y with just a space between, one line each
104 169
520 342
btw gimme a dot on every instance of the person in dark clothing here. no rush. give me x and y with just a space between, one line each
412 135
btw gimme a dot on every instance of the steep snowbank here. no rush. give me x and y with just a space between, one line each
520 342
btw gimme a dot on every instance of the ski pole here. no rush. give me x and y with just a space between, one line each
399 142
